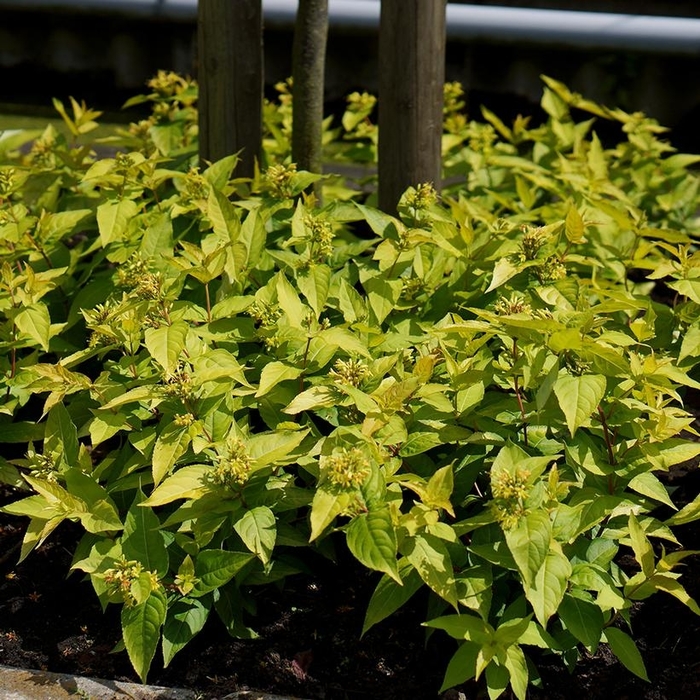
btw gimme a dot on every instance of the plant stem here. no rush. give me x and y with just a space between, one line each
518 395
206 292
608 438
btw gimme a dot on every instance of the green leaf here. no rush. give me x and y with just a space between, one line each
583 619
549 586
258 530
167 343
171 444
389 595
649 485
643 551
314 283
579 397
623 646
141 630
431 559
382 295
315 397
439 489
185 619
574 226
462 666
275 448
35 322
688 514
529 543
113 219
378 221
158 236
666 582
61 436
517 668
465 626
351 303
105 425
101 513
346 340
325 506
143 539
420 442
290 302
497 676
503 270
187 482
216 567
372 540
219 172
273 373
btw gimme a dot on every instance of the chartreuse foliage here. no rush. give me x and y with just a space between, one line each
479 396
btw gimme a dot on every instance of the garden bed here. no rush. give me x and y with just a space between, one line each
309 644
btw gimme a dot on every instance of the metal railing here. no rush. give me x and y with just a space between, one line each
591 30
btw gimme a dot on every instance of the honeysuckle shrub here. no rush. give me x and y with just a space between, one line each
220 379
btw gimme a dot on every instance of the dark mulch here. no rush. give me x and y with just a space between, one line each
309 629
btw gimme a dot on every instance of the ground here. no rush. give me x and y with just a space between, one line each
309 643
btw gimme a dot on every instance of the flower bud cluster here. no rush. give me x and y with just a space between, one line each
125 573
481 137
168 84
360 102
7 181
123 163
423 197
233 469
136 276
264 314
534 237
510 491
195 186
347 469
141 129
42 466
42 152
278 180
178 384
411 287
551 270
183 420
516 304
321 235
453 104
351 372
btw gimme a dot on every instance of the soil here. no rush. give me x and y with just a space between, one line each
309 645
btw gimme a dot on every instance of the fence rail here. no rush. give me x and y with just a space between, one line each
591 30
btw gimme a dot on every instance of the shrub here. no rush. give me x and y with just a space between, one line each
482 393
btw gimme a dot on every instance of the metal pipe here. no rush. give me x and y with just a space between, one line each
589 30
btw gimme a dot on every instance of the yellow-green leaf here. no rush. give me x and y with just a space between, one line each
579 397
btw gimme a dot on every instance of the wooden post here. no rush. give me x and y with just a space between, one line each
308 72
229 37
411 84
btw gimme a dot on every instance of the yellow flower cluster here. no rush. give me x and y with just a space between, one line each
350 372
123 575
510 491
278 179
347 469
232 470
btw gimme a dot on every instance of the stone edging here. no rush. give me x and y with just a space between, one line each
24 684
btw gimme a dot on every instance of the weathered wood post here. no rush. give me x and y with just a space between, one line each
229 38
308 72
411 84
